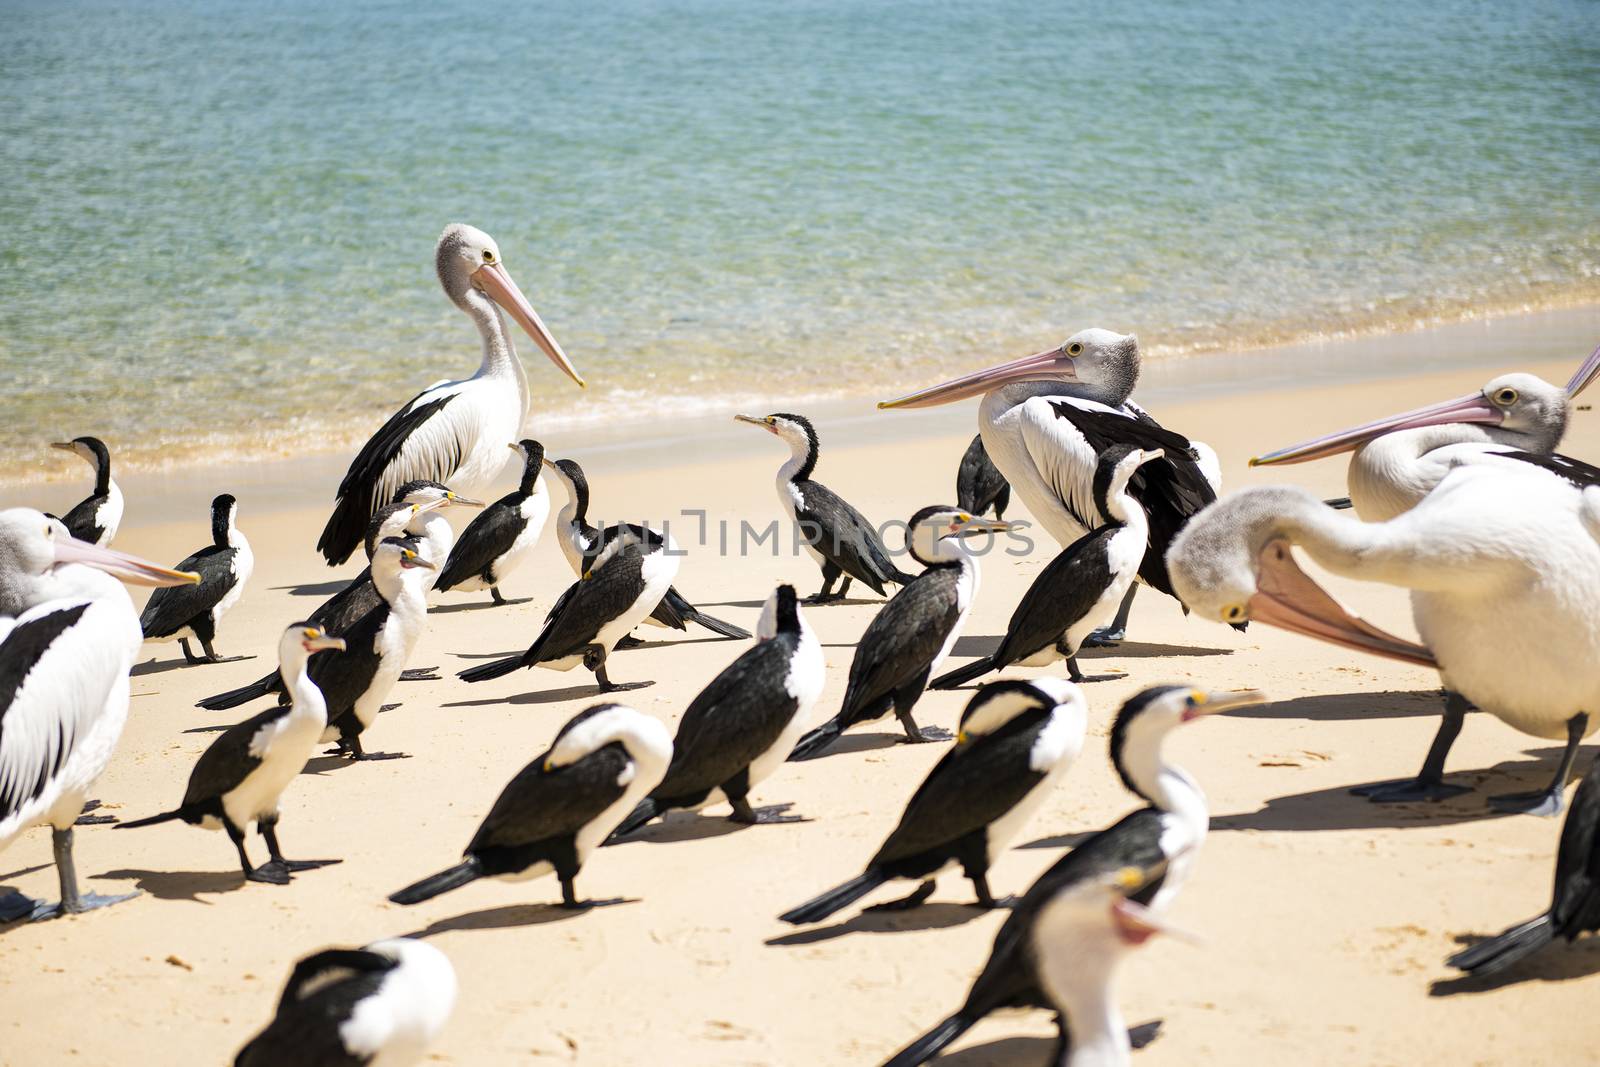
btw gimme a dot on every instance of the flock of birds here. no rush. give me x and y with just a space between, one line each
1465 503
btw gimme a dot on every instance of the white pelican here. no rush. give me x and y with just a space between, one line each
68 637
1515 418
1504 573
1046 418
455 432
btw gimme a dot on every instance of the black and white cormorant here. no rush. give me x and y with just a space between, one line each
1073 936
1017 738
913 633
979 486
96 517
378 1006
495 542
1045 418
193 611
1080 590
835 534
614 595
454 432
580 540
1166 835
240 778
563 805
1574 905
743 725
68 638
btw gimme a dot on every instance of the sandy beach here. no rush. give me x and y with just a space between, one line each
1326 918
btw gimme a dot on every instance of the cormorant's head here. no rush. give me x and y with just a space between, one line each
997 704
1144 722
423 491
91 450
302 639
932 531
795 430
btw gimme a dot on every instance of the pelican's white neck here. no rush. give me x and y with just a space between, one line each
499 354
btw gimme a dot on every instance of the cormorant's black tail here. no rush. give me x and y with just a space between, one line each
166 816
496 669
931 1043
811 745
266 684
813 911
420 674
672 610
647 810
900 577
715 625
1501 951
962 675
468 870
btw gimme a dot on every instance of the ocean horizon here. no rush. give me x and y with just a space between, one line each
220 221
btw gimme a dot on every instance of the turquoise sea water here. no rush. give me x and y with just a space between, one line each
217 220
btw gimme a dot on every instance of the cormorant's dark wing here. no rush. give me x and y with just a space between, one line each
538 804
978 482
902 640
486 539
338 612
588 605
344 676
1010 976
736 718
1062 594
225 764
973 785
1576 907
843 535
82 522
172 607
1170 489
402 450
1575 471
305 1031
641 535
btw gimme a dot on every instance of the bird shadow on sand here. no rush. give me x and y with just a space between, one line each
1556 962
490 655
313 588
692 826
182 885
1150 650
1032 1051
735 604
1339 809
5 879
544 696
677 641
510 916
939 916
1339 707
849 743
158 666
216 729
476 605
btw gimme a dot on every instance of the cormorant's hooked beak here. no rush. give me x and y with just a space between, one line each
120 565
1054 365
410 558
65 446
461 501
1575 385
1200 702
757 420
321 642
973 525
430 505
493 279
1474 407
1287 598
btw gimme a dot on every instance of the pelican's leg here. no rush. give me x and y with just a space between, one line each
269 830
1429 783
1119 626
72 902
1547 801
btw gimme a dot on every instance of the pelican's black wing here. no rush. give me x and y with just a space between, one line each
1575 471
979 484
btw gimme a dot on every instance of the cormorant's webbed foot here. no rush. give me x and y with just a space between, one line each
272 873
420 674
918 897
744 813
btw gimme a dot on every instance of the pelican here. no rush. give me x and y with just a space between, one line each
1516 419
455 432
68 637
1504 573
1045 419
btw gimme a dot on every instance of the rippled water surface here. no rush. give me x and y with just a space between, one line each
216 221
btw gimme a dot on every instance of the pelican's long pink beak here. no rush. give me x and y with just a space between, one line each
120 565
1287 598
1470 408
498 284
1054 365
1585 374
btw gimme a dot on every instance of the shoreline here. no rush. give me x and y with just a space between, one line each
1549 333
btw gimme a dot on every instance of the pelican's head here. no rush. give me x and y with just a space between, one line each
91 450
1093 363
1232 562
33 546
434 493
470 269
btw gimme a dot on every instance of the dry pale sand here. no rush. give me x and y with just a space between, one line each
1327 917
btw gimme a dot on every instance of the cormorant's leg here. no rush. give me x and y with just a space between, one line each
744 813
980 886
269 830
1429 783
266 872
569 895
904 700
918 897
1072 669
211 653
595 660
1119 625
830 574
1547 802
188 656
352 748
494 591
844 588
1063 1040
72 902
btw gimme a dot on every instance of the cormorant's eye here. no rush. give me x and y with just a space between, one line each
1234 613
1505 397
488 256
1075 349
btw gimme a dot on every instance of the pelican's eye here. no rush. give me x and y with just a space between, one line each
1235 613
488 256
1075 348
1505 397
